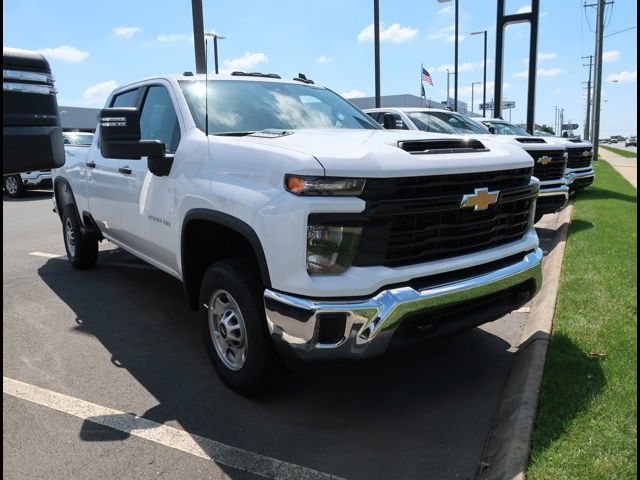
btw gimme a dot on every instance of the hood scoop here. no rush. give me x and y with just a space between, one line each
271 133
442 146
530 140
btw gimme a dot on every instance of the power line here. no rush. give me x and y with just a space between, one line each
626 29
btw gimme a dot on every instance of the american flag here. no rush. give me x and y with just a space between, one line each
426 77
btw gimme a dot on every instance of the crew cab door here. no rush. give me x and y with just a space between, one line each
105 182
149 203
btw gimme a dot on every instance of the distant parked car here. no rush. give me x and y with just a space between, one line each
16 185
604 141
631 142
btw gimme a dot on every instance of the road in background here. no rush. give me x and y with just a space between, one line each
122 336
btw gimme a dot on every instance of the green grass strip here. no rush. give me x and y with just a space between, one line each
621 152
586 423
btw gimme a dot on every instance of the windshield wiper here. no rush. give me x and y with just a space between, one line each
235 134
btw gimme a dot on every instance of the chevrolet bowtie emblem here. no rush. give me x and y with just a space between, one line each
480 200
586 153
545 160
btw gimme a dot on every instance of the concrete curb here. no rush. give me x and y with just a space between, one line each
506 453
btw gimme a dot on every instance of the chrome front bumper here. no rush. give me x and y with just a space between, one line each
553 196
369 324
580 175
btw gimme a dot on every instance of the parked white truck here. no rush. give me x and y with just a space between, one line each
299 228
550 158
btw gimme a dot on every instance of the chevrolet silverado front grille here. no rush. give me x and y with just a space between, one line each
419 219
552 170
577 157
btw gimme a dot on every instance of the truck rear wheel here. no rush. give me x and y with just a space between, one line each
13 186
235 329
82 248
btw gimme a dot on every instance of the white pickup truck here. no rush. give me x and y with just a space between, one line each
550 157
299 228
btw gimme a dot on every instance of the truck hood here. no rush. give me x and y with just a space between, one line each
375 153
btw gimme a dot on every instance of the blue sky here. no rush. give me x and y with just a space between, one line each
95 46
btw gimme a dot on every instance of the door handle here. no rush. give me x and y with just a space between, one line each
126 170
91 164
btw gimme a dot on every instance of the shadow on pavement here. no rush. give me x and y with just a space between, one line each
417 413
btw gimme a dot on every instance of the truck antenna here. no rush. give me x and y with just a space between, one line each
206 88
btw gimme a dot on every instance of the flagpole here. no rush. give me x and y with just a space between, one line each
421 67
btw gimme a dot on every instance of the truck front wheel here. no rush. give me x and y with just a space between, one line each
82 248
235 328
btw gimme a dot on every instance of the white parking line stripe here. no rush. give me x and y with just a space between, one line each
45 255
164 435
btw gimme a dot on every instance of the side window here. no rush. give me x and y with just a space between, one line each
126 99
375 116
158 120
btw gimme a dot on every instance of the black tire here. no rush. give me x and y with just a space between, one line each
262 367
537 217
13 186
82 248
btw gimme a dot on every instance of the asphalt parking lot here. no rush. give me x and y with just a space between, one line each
122 338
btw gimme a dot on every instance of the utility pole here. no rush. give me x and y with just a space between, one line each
587 123
555 121
595 132
455 79
561 119
198 35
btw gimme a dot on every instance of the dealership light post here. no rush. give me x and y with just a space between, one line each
484 79
448 74
215 46
472 87
455 67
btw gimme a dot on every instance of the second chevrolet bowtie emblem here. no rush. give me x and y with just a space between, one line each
480 200
545 160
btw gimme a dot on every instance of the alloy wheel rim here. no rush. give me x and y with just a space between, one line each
70 237
227 329
12 185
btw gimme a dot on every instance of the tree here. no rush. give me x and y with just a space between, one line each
546 128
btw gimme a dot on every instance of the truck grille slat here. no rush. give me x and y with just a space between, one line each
419 219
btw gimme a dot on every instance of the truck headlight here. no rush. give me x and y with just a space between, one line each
336 186
331 248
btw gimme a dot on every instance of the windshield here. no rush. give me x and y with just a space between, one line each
237 106
80 138
445 122
540 133
507 129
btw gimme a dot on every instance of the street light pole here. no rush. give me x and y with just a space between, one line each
484 80
473 84
215 46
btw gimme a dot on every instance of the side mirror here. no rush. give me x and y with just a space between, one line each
389 121
120 136
492 130
31 129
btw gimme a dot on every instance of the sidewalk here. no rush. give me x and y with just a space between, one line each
628 167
